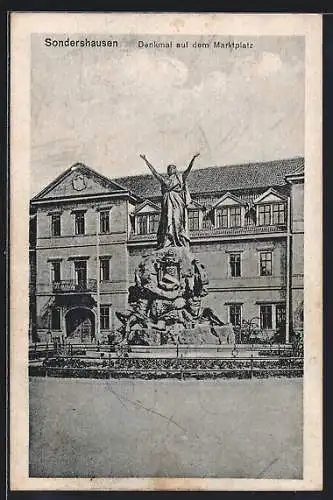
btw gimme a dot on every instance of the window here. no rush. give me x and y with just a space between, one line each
142 224
278 213
280 315
79 223
235 216
104 269
235 264
55 224
55 271
193 220
264 215
235 314
104 221
266 317
55 319
147 223
80 271
222 218
265 263
271 214
154 220
104 317
207 221
228 217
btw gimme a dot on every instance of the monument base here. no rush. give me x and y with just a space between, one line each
165 304
200 334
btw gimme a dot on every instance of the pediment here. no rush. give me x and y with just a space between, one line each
146 207
79 180
194 205
227 200
270 196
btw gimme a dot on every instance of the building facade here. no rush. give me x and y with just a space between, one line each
88 233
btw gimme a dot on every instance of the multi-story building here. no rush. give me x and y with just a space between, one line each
89 232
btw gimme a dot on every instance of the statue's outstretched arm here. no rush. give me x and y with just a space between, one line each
189 168
158 176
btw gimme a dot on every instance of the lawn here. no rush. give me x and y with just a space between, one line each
159 428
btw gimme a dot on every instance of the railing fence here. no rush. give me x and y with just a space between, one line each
180 361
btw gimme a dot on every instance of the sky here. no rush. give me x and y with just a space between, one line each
105 106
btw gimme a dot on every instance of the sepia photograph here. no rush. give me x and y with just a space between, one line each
166 304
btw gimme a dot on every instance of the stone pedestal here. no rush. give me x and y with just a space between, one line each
200 334
165 303
146 336
225 334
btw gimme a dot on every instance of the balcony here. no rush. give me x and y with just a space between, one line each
71 286
217 232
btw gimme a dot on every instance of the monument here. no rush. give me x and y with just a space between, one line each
165 302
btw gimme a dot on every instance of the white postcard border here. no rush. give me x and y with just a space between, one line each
22 26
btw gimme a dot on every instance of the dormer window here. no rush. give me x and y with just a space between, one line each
146 218
222 217
147 223
195 215
228 217
264 215
154 220
271 208
235 216
193 220
142 224
279 213
229 212
273 213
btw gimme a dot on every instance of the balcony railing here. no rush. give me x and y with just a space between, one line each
237 231
213 232
71 286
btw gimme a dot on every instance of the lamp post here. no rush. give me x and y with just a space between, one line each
288 273
98 326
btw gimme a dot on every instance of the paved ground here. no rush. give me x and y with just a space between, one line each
124 428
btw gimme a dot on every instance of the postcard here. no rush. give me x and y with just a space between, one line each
165 252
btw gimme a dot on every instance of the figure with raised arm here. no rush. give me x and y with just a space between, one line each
173 225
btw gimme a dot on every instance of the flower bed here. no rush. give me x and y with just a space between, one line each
148 368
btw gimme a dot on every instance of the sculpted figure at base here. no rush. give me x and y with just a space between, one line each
166 299
173 226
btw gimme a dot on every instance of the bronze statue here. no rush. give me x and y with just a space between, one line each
173 226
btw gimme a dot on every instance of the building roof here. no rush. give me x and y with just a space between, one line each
220 179
298 173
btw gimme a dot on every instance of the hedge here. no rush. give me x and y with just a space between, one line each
170 368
